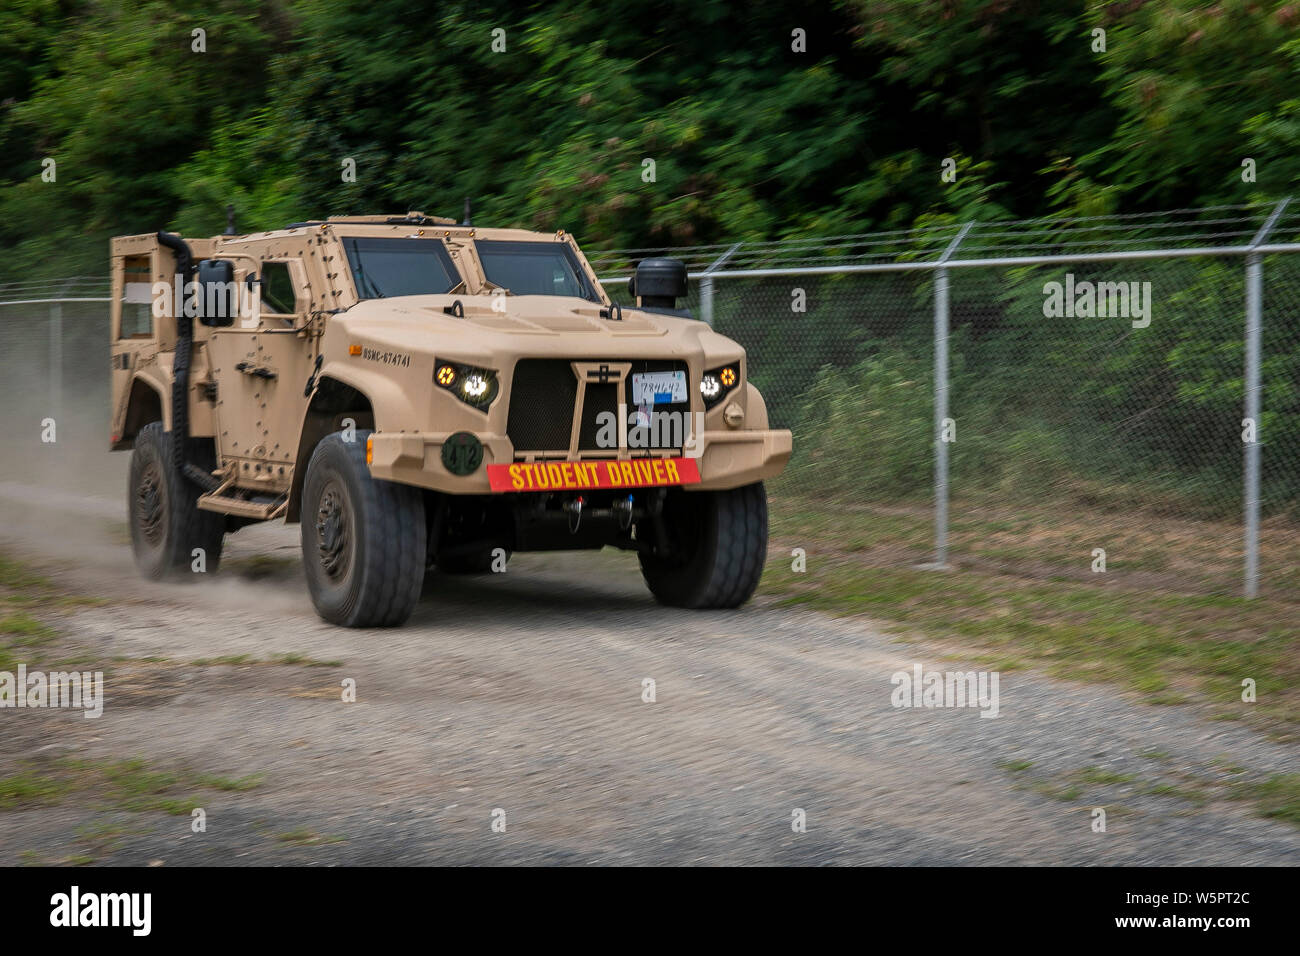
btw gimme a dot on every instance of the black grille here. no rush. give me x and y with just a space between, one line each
543 395
541 405
600 398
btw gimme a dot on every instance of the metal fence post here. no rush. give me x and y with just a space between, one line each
1254 310
56 362
706 284
1250 474
941 400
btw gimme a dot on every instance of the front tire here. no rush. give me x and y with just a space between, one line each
166 524
717 550
363 540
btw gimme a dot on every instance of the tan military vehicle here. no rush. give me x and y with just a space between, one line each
419 393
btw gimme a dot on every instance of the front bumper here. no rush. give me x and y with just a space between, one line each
727 459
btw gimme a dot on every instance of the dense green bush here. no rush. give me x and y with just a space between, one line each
753 135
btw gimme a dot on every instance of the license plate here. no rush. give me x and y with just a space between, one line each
579 475
658 388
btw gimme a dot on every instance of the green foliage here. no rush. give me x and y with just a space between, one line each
1195 88
118 104
863 429
750 139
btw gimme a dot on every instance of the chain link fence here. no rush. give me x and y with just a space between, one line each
54 373
1045 397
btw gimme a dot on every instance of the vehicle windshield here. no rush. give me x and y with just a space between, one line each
384 267
534 268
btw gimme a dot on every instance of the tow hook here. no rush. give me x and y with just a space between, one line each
623 508
573 508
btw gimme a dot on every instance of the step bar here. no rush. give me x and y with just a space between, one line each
230 504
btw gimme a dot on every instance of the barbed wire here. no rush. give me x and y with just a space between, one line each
1226 227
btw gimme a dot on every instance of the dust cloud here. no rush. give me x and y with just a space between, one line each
64 497
65 500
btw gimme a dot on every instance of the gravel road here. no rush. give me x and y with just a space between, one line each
522 692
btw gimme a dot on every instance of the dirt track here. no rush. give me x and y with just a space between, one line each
523 691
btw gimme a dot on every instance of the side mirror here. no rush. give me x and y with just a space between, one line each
660 282
218 302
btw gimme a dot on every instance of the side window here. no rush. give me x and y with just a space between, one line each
277 288
137 299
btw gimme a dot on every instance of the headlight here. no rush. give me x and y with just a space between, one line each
716 383
473 386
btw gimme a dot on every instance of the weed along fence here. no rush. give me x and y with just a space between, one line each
1112 399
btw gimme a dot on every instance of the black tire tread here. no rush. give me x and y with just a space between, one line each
733 552
188 526
391 537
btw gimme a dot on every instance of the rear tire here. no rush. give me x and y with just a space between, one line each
162 509
718 549
363 540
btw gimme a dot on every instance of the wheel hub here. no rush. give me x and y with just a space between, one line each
149 504
333 532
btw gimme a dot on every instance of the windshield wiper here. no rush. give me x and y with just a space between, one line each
365 284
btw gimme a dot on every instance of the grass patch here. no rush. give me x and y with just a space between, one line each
1277 798
1067 793
103 837
1190 794
227 660
1168 647
15 576
23 595
131 785
1096 775
29 789
291 659
232 784
304 837
22 629
302 660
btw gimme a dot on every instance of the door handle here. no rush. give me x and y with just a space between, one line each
261 371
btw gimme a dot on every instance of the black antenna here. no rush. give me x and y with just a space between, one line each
467 222
230 220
